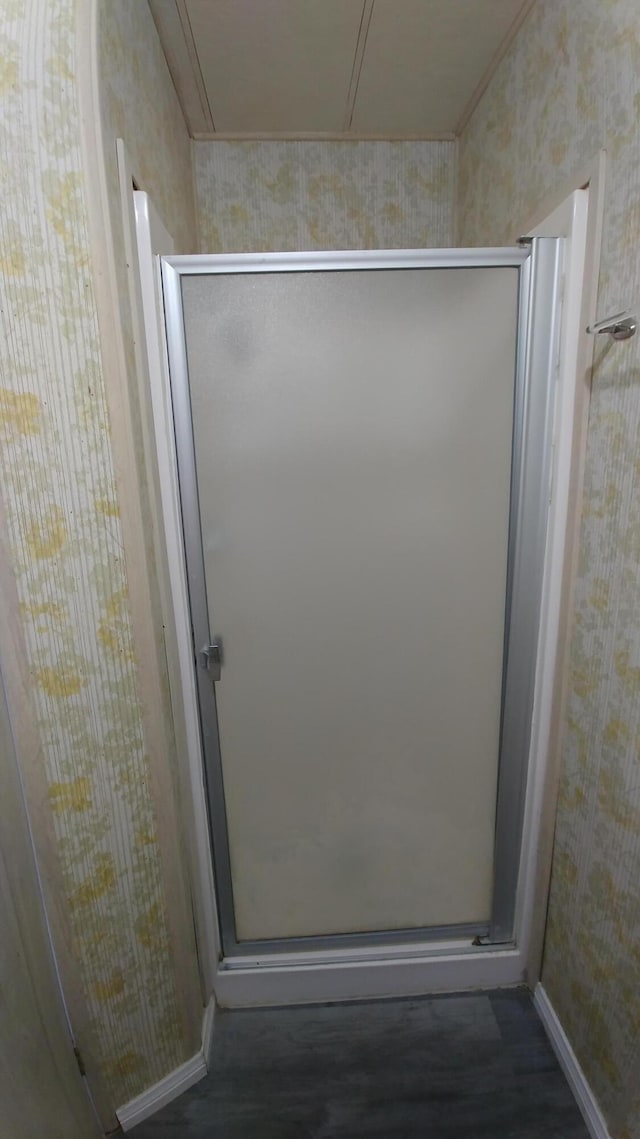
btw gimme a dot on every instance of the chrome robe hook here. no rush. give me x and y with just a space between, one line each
620 326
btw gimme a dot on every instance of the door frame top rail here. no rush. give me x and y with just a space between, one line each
309 261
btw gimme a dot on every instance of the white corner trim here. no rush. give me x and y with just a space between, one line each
207 1030
149 237
160 1094
568 1061
172 1085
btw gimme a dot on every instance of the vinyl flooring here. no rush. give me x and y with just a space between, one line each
471 1066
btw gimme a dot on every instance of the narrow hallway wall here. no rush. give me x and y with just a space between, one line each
95 766
569 85
256 196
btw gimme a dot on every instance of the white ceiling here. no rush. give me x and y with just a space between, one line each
333 68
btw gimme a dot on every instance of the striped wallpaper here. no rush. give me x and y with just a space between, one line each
570 85
254 196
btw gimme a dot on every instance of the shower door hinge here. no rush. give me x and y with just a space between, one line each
79 1061
486 942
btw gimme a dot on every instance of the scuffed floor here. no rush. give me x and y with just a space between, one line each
470 1066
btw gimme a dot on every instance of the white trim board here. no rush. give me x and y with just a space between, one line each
573 228
174 1084
576 215
570 1065
162 1093
347 980
149 238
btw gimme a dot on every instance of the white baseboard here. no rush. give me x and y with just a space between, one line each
172 1085
568 1061
160 1094
265 984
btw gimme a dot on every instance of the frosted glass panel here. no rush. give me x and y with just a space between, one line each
353 444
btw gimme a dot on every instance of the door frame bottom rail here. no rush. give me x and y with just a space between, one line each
359 974
374 940
374 951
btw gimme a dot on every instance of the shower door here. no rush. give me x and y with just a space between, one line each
353 433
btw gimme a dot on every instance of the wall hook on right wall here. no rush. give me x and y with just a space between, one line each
620 326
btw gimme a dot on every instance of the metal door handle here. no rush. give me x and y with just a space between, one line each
211 658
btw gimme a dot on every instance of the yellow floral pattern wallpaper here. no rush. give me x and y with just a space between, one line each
257 196
139 105
570 85
60 498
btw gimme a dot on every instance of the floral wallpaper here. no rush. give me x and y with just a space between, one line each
139 105
59 492
569 85
255 196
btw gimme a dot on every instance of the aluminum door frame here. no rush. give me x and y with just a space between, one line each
535 366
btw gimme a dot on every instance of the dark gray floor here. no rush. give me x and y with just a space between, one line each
473 1066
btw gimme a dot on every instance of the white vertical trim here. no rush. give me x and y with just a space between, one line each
150 236
570 1065
573 227
563 215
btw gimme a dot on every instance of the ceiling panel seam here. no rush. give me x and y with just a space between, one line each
187 31
182 51
358 58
